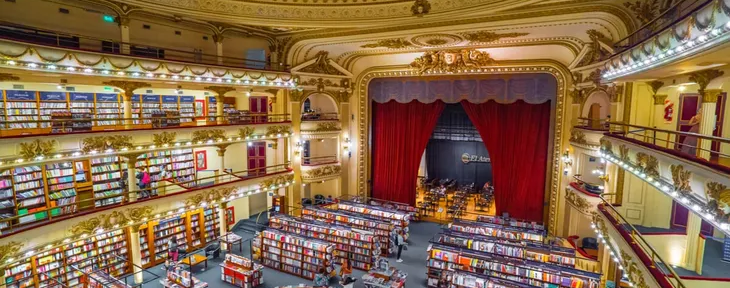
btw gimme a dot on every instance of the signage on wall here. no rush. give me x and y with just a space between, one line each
468 158
668 111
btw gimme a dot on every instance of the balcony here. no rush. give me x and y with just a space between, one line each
692 32
319 161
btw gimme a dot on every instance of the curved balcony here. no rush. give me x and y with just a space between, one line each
319 160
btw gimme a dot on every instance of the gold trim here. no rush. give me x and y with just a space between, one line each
577 201
577 136
37 148
211 134
112 220
648 163
102 143
9 249
681 178
164 138
245 132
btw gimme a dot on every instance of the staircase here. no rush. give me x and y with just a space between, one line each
250 226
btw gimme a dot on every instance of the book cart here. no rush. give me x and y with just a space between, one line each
297 255
357 245
241 271
382 229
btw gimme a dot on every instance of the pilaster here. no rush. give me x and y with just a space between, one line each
707 121
123 22
136 253
223 225
694 224
128 87
296 119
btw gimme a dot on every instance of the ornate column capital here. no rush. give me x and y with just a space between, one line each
221 149
122 20
8 77
659 99
711 95
704 77
296 95
220 90
128 87
655 86
218 38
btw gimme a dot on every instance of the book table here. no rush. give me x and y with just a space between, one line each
231 239
179 278
241 272
385 278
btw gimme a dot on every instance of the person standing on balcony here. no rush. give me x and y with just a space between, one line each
689 145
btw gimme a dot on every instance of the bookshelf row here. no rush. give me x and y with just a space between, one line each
396 217
498 231
357 245
101 109
297 255
404 208
68 263
190 230
33 191
241 272
382 229
511 222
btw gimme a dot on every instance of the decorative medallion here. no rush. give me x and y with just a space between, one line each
452 60
649 164
577 136
164 138
623 152
681 178
436 40
397 43
103 143
245 132
205 135
484 36
37 148
719 200
577 201
607 146
278 129
420 8
112 220
322 172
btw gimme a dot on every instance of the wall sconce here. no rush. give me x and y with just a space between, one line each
346 147
567 161
298 148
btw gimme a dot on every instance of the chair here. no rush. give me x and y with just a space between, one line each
213 250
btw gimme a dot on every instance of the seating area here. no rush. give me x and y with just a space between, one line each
446 200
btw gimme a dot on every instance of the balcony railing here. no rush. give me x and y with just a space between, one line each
314 116
590 189
26 34
660 269
85 206
320 160
593 124
667 18
94 124
682 144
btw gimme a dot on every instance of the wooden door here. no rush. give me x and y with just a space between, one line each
719 121
595 115
258 105
257 158
688 106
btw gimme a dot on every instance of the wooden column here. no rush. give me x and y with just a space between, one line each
220 93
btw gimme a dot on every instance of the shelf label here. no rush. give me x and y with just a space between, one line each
187 99
20 95
726 250
151 98
211 99
107 97
135 97
169 99
53 96
79 96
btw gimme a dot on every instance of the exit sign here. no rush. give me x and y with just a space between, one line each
108 18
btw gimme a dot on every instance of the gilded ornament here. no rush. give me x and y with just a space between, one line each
296 95
649 164
321 65
37 148
278 129
655 86
164 138
452 60
614 92
112 220
596 51
278 180
711 95
577 77
8 77
659 99
578 96
718 200
103 143
420 8
205 135
215 194
607 146
397 43
623 152
437 42
326 171
484 36
577 136
595 77
245 132
328 126
632 271
127 86
681 178
9 249
577 201
645 11
704 77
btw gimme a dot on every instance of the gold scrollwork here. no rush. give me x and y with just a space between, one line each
102 143
623 152
211 134
328 126
632 270
607 146
278 180
245 132
326 171
577 201
111 220
452 60
321 65
37 148
210 195
577 136
9 249
681 178
719 200
485 36
396 43
649 164
278 129
8 77
164 138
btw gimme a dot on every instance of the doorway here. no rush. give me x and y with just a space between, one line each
257 158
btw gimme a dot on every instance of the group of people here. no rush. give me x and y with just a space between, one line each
144 180
322 278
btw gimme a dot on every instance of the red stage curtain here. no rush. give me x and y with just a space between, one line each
516 136
400 134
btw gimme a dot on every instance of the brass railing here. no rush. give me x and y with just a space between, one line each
587 186
314 116
312 161
657 264
17 32
684 143
88 205
77 125
593 124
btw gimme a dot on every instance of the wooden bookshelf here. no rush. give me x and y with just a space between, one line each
498 231
241 272
108 106
382 229
296 255
357 245
396 217
187 109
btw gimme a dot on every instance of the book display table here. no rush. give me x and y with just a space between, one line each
179 278
231 239
241 272
100 279
385 278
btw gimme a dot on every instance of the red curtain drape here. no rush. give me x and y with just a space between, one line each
516 136
400 134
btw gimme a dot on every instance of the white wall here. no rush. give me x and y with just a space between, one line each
321 103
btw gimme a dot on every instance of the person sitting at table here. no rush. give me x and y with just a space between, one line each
320 279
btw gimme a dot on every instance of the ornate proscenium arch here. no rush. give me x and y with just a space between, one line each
556 70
